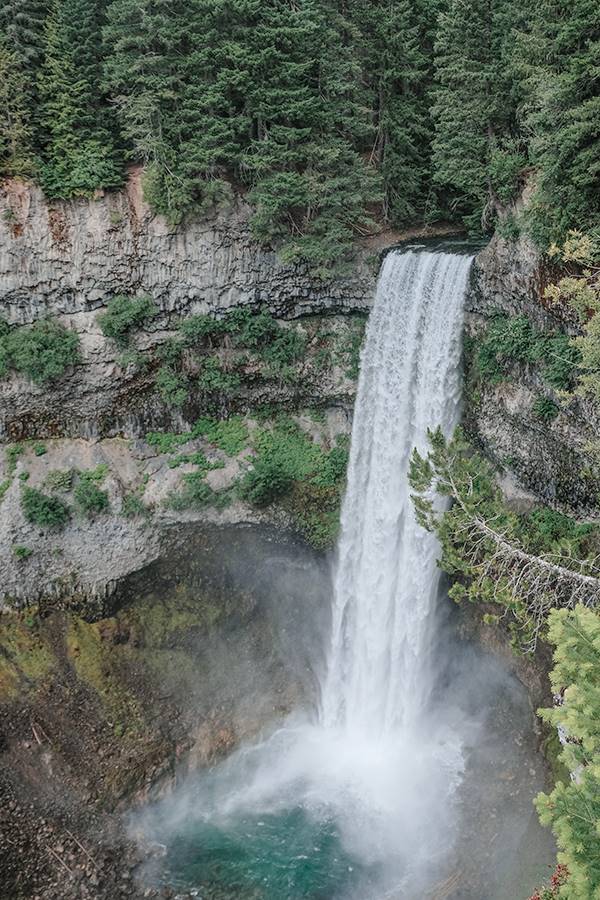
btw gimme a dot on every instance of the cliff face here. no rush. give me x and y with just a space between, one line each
70 258
546 457
66 260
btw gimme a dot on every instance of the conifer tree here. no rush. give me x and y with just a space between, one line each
149 43
396 56
22 25
561 63
573 807
80 154
475 143
310 126
16 154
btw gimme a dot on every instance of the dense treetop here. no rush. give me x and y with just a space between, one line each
331 115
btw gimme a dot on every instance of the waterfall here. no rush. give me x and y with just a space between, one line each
358 801
378 672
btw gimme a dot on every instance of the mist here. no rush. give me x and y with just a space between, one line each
386 781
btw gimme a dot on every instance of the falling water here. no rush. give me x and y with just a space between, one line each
378 674
358 801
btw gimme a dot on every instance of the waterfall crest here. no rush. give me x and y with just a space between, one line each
377 667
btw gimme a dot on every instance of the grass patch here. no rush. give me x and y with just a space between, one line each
229 435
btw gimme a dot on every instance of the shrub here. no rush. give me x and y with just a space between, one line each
172 387
124 314
286 348
308 481
197 494
42 509
268 480
21 552
509 340
197 329
88 496
12 453
60 479
4 486
213 379
165 441
132 506
545 409
42 351
230 435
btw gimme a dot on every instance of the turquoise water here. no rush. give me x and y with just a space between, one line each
284 856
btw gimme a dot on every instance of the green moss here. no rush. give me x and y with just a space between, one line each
95 660
25 658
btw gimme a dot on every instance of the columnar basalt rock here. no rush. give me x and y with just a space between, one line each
64 258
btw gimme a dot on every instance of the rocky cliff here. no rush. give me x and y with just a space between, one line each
545 455
66 260
70 258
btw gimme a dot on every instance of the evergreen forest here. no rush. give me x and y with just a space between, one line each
333 117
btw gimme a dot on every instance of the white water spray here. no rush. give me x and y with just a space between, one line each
374 764
378 674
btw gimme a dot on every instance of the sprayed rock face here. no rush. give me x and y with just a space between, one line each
190 660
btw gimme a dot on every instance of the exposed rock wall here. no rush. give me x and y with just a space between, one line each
70 258
547 457
66 260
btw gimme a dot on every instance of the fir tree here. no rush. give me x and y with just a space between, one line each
474 108
310 126
16 156
397 59
22 25
561 64
573 807
144 73
80 154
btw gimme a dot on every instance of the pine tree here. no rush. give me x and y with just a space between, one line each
16 156
561 61
573 807
397 58
80 154
22 39
310 126
476 153
144 71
